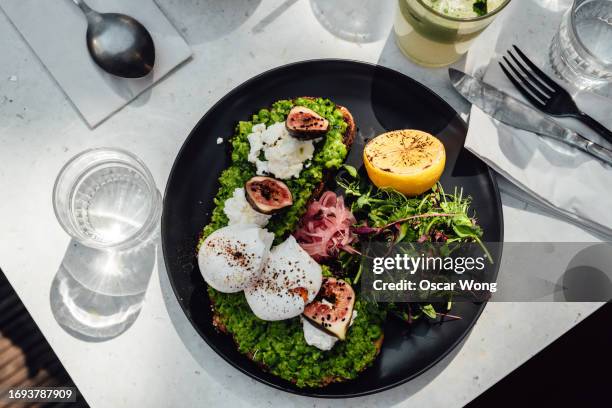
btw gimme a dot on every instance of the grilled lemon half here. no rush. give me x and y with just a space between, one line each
410 161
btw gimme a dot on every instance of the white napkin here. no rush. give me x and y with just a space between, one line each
55 30
567 181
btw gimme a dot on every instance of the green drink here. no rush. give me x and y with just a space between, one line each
436 33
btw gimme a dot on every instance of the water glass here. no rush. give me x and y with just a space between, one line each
581 52
106 199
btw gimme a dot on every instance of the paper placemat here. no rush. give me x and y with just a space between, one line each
55 30
569 182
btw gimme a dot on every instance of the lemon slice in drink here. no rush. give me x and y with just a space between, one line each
410 161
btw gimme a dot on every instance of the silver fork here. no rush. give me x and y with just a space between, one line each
544 93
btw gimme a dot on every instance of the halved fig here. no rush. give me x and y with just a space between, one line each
332 309
267 195
305 124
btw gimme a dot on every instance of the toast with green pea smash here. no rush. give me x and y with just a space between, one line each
279 346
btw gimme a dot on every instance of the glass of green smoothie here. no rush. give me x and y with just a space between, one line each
436 33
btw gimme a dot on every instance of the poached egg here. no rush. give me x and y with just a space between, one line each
232 257
289 280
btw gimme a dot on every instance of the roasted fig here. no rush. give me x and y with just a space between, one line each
267 195
332 309
305 124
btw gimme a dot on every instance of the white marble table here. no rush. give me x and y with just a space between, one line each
160 361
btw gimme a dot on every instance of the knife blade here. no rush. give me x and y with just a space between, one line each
515 113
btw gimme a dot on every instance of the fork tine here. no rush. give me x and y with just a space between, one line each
518 86
541 74
534 80
526 84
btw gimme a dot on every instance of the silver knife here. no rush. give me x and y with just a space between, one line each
515 113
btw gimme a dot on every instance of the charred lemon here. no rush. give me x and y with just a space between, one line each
410 161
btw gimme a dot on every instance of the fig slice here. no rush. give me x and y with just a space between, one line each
267 195
305 124
332 309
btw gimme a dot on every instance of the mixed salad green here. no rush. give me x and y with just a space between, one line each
435 216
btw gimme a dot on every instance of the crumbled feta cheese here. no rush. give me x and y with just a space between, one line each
219 140
239 211
258 128
262 167
284 155
316 337
273 133
256 145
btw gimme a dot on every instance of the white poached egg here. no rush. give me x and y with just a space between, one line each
289 280
232 257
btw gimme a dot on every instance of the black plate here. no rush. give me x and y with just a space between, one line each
380 99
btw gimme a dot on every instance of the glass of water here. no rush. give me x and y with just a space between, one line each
106 199
581 52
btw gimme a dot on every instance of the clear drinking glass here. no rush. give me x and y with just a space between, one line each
581 52
107 199
434 39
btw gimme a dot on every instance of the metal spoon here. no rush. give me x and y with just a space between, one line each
119 44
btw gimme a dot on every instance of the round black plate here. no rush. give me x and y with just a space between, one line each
380 99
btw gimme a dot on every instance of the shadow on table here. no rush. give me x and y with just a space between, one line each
588 276
97 295
358 21
201 21
130 88
26 359
272 16
248 389
392 57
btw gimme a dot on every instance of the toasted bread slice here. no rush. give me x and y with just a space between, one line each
351 130
348 139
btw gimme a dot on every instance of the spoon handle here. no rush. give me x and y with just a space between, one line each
83 6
